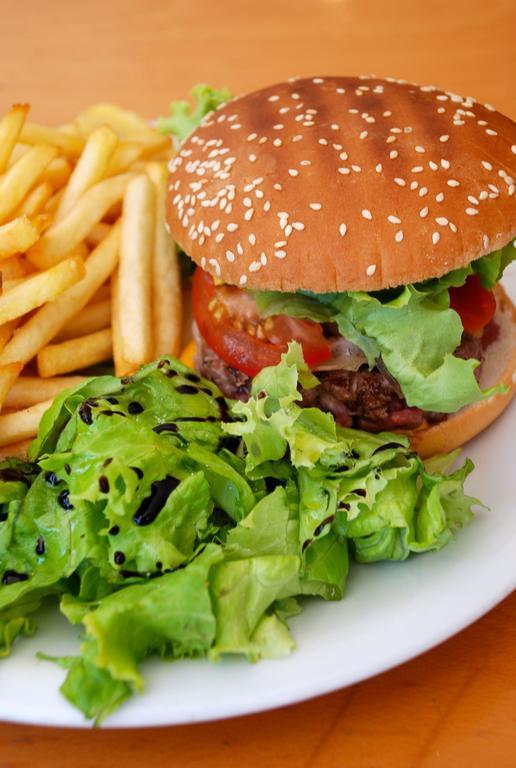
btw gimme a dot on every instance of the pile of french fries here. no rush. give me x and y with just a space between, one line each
88 271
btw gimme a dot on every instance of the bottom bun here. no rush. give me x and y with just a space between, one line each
499 367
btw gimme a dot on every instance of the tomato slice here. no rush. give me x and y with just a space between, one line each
229 321
473 303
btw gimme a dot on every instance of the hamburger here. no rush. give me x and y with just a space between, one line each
370 220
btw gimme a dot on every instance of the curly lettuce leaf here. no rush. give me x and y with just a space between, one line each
185 117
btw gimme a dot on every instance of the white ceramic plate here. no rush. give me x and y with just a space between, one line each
391 613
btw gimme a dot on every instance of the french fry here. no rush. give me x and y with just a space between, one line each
134 274
103 293
43 326
122 367
10 128
57 172
13 268
21 425
18 450
75 354
53 203
17 236
40 288
61 238
125 155
21 177
122 121
8 375
187 356
29 390
166 277
154 144
36 200
69 144
90 169
97 233
6 332
94 317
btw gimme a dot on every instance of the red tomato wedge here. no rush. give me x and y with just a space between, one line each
229 321
473 303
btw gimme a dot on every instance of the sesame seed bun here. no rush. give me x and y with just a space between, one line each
499 367
344 183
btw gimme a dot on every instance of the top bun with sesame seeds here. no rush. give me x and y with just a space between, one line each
344 183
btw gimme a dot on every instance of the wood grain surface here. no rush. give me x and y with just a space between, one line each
456 705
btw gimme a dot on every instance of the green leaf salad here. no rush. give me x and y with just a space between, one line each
166 520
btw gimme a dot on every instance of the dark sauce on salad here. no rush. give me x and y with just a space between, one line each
152 505
12 577
64 500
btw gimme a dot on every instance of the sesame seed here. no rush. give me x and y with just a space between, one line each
293 172
442 221
252 239
394 219
393 154
444 138
441 110
342 230
363 135
414 185
243 280
315 206
344 171
298 226
452 226
487 165
400 182
273 98
513 149
220 237
263 259
232 227
280 254
387 113
445 163
366 213
398 236
423 212
277 142
453 183
240 250
490 132
334 126
288 230
280 244
390 139
419 149
297 137
324 142
305 162
278 127
471 211
473 200
417 169
371 269
248 215
379 168
252 158
433 165
247 202
278 187
343 155
317 80
439 197
485 241
423 191
435 237
266 206
230 256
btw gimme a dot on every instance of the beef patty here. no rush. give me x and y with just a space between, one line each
366 399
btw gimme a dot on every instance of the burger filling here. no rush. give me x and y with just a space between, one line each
397 359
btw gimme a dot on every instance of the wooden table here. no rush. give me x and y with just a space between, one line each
456 705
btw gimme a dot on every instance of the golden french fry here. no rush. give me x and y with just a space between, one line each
40 288
125 155
97 233
90 169
10 128
36 200
167 309
102 294
21 177
17 236
22 425
134 273
187 356
69 144
6 331
57 172
8 375
154 144
94 317
51 206
62 237
122 121
13 268
75 354
16 450
122 367
29 390
42 327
